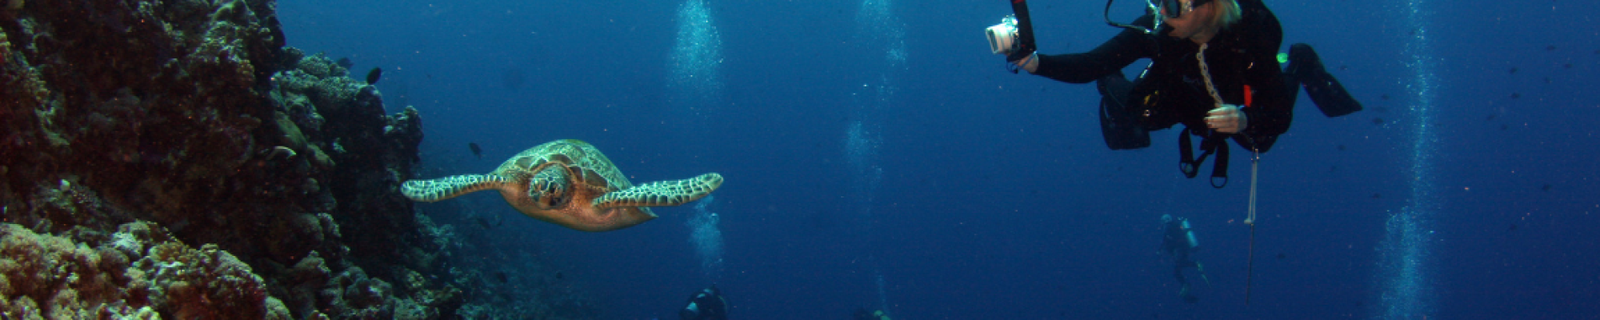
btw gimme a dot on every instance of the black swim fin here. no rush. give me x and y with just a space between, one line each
1323 89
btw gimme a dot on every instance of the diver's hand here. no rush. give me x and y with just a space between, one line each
1227 119
1024 60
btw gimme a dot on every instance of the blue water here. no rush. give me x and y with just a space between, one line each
994 197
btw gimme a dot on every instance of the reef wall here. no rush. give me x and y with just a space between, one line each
173 159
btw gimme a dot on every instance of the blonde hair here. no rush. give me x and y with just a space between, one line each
1228 13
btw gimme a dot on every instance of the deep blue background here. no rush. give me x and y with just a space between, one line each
998 199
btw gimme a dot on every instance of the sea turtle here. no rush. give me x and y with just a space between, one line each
569 183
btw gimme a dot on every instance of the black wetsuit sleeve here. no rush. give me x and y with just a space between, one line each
1272 107
1111 56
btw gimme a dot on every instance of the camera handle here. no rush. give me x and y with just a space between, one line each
1019 8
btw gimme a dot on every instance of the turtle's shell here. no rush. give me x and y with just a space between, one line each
592 176
592 169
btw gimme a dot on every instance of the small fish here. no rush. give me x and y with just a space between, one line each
1546 188
1515 95
1281 256
1512 228
500 275
1513 70
1377 121
345 63
486 223
476 151
372 76
558 275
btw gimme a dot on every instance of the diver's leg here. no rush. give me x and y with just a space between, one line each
1306 68
1184 291
1118 124
1291 81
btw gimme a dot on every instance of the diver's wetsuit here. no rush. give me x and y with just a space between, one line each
1172 91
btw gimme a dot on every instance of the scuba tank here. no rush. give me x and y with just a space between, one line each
1188 235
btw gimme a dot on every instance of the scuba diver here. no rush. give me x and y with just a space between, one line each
862 314
1178 242
1213 68
707 304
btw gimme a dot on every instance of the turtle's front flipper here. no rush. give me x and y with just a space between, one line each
661 193
450 187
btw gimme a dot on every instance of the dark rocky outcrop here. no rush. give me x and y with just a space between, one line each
191 119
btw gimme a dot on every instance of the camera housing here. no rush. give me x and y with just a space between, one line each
1003 37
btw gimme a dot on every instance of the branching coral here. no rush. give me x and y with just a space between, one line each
205 283
53 277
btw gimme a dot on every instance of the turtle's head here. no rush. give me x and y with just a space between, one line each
550 188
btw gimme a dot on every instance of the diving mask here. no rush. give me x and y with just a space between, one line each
1172 9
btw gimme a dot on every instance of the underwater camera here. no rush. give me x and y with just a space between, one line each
1014 34
1003 36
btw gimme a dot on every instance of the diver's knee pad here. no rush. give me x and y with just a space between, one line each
1119 123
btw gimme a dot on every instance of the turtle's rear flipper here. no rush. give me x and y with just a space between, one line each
661 193
1323 89
450 187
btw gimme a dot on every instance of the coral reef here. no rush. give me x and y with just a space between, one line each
173 159
46 276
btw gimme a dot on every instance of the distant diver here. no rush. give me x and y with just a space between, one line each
569 183
1178 242
706 304
862 314
372 76
476 151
